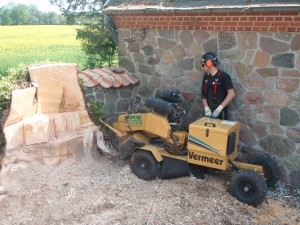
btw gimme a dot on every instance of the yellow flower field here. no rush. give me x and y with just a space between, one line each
39 43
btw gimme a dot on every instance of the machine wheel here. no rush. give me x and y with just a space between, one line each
270 169
112 139
144 165
248 187
198 171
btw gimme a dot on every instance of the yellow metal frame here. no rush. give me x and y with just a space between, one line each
149 122
159 152
247 166
118 133
154 150
207 144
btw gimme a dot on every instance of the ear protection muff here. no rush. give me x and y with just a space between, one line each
209 59
209 63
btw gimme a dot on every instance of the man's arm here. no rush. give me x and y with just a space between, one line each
227 100
207 111
204 102
229 97
203 96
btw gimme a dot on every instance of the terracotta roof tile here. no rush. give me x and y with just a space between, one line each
107 77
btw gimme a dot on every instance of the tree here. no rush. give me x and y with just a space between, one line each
5 17
97 43
35 14
20 14
96 39
80 8
50 18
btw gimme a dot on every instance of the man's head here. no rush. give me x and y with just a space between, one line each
209 59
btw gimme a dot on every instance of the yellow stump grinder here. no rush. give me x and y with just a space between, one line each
159 146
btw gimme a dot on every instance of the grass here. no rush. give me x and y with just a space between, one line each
36 44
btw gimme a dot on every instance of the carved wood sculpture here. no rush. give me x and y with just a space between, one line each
49 122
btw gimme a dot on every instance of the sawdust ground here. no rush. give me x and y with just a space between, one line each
105 191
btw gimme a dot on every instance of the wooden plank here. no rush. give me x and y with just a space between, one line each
23 105
58 88
14 135
72 122
36 129
63 124
84 117
60 126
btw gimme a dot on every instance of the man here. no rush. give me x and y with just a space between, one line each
217 89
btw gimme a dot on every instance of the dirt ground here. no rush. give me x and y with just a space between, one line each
105 191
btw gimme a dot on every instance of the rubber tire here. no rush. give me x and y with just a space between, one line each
198 171
144 165
270 168
252 180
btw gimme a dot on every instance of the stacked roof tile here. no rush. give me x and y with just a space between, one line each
107 77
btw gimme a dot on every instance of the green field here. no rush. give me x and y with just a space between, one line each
37 44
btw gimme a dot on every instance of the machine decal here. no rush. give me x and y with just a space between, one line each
206 159
198 142
134 120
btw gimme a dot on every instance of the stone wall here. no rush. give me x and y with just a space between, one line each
264 67
124 99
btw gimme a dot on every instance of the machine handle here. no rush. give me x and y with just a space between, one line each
208 124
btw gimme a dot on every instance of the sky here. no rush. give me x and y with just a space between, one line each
42 5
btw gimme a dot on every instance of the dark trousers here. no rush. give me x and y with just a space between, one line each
223 115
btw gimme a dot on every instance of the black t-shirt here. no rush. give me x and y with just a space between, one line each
215 94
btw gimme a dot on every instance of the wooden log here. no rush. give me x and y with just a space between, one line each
58 88
54 128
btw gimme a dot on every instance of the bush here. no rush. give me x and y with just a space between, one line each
97 43
8 83
96 111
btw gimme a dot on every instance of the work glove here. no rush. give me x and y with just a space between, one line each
207 111
217 111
